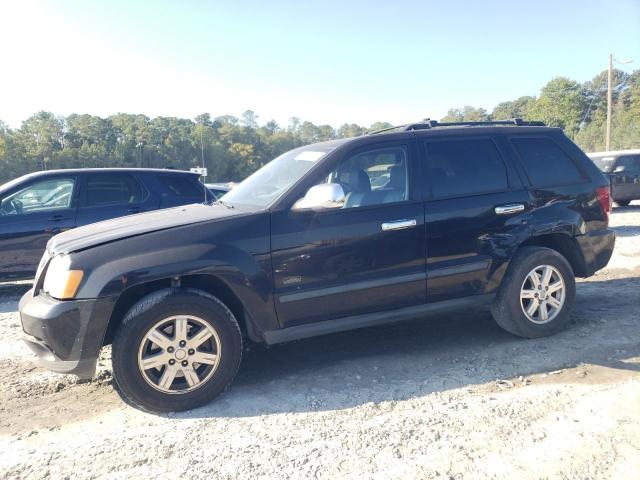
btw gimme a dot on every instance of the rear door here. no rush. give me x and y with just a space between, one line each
106 195
29 216
474 197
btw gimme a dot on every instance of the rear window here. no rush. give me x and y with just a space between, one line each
182 185
112 189
545 162
465 167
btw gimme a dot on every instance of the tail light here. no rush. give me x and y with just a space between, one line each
604 198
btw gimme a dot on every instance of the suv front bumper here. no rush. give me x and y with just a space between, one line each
65 335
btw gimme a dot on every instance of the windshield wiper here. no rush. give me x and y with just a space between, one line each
223 203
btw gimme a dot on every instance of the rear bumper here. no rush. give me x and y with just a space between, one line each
597 248
65 335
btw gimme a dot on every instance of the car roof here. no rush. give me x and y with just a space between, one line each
614 153
398 133
67 171
461 130
112 169
218 186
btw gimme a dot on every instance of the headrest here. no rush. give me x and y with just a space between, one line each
397 177
354 179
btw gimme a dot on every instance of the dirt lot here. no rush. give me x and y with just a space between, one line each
451 397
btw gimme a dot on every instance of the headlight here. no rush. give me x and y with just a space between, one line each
60 282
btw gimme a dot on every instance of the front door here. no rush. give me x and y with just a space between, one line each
365 257
30 216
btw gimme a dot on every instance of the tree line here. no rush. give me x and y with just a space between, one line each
232 148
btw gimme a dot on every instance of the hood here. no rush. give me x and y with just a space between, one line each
120 228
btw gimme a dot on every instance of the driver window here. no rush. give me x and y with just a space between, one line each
373 177
44 196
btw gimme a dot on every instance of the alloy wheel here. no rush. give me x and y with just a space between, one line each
542 294
179 354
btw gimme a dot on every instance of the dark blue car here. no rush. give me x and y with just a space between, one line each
37 206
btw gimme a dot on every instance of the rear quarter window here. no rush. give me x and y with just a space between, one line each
182 186
545 163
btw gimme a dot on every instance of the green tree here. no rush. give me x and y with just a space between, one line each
349 130
466 114
562 103
518 108
42 136
234 147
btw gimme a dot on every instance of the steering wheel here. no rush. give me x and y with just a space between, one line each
17 206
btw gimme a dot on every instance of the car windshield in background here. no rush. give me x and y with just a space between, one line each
604 163
276 177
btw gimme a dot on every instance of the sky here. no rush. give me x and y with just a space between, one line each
324 61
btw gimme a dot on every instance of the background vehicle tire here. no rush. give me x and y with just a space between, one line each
623 203
175 350
536 295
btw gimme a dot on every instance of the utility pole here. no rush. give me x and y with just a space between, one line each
609 102
204 178
201 147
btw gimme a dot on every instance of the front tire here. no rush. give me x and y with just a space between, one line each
536 295
175 350
623 203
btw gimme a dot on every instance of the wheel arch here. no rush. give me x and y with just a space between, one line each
565 245
206 283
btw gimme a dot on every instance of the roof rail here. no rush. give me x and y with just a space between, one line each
396 127
428 124
434 123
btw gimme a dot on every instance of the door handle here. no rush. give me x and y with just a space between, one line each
509 209
56 218
398 224
135 209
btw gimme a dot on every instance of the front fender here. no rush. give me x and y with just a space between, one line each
235 251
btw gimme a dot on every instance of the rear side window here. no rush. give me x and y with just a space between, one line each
181 186
545 162
465 167
112 189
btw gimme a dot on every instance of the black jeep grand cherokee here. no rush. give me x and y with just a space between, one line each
334 236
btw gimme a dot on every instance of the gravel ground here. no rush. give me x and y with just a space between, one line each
452 397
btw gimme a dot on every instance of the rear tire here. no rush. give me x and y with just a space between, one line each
536 295
175 350
623 203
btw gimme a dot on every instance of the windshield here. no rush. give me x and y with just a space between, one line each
264 186
603 163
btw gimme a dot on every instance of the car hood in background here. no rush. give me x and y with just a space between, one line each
132 225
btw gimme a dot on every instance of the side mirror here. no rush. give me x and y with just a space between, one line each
619 169
321 197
